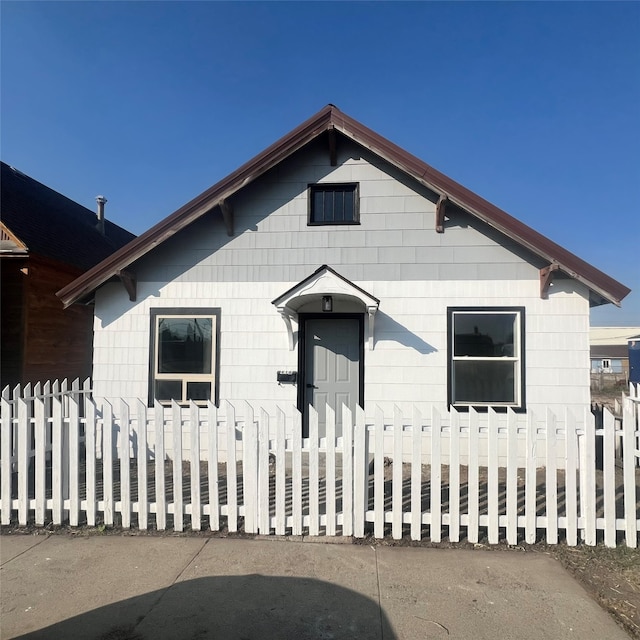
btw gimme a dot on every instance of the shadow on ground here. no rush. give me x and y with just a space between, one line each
249 607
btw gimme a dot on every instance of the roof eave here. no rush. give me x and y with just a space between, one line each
205 202
500 220
330 117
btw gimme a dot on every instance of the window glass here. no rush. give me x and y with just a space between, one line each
486 382
485 334
167 390
333 204
183 356
318 208
486 364
199 390
184 345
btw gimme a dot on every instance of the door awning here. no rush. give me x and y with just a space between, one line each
325 281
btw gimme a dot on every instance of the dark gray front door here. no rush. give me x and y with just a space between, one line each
332 367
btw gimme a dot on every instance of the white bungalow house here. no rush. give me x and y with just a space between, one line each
335 267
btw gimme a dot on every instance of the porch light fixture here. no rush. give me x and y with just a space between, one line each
327 303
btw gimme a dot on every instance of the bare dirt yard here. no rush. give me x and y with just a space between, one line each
611 576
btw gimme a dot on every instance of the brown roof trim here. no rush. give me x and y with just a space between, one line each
328 118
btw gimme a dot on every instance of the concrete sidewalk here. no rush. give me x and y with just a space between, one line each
195 588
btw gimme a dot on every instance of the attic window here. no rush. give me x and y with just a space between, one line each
334 204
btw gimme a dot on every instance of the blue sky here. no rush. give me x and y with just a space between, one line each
534 106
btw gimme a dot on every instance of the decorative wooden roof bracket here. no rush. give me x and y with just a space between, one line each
227 215
440 211
333 153
130 282
546 276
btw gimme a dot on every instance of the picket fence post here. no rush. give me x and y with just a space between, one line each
212 468
143 490
454 476
90 431
6 450
360 472
232 478
296 527
40 435
330 468
571 489
630 455
435 503
347 471
250 470
314 474
160 456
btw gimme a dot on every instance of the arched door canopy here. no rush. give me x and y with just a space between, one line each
325 281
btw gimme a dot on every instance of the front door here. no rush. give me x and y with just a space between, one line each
332 365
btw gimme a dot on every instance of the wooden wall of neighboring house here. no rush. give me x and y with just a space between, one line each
11 316
56 342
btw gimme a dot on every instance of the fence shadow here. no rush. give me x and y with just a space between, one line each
231 607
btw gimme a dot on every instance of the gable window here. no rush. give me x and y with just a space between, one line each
333 204
183 355
486 357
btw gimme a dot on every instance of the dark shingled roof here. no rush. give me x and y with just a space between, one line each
610 351
52 226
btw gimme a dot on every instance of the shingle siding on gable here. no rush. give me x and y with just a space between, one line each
274 242
394 254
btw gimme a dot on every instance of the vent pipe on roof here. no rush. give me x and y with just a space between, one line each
101 200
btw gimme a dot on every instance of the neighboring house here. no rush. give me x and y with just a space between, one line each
634 359
335 266
609 348
46 241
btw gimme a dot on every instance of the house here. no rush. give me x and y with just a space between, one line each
609 350
46 241
335 267
634 359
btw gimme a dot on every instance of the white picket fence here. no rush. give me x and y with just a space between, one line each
67 459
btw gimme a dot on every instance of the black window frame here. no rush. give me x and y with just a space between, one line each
352 187
186 312
519 405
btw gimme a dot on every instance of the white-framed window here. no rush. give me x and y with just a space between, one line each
486 357
183 363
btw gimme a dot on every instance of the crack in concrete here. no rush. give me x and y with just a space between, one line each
26 550
142 618
375 553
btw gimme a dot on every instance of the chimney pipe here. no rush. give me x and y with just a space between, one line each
101 200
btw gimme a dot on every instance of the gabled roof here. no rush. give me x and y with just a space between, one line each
609 351
331 119
39 220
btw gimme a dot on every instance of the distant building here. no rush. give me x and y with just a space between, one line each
609 349
46 241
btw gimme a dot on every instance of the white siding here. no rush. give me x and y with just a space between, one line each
409 360
394 254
